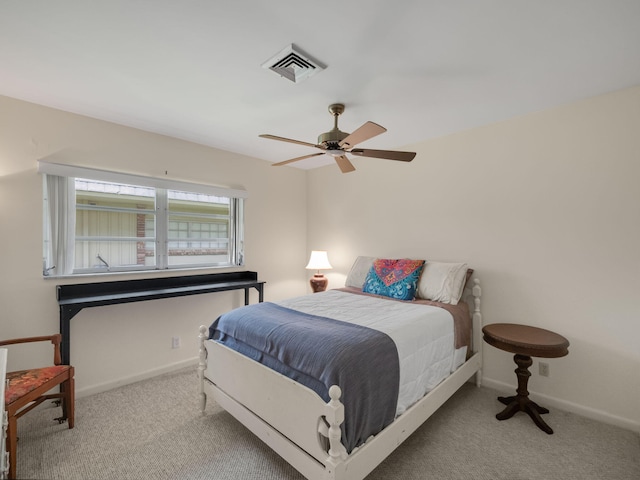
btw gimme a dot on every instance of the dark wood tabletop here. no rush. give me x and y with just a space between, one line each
526 340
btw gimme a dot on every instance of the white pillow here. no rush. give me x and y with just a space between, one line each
359 271
442 282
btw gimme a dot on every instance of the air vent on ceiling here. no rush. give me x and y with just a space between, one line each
293 64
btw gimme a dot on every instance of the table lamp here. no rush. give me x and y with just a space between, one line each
318 261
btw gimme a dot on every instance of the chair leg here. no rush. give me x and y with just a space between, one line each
67 400
12 440
70 400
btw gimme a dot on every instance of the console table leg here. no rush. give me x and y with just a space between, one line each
66 314
523 373
510 411
521 401
534 413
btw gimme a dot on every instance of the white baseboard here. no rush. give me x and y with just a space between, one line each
103 387
546 400
571 407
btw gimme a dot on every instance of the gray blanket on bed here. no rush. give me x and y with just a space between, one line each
320 352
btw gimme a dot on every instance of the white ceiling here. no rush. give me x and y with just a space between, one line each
421 68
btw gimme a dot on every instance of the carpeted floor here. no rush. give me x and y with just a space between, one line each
153 430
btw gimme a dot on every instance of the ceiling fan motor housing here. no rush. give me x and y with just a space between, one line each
332 139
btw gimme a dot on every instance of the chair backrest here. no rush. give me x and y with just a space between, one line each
54 339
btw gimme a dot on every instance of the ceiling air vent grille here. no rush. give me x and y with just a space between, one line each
292 64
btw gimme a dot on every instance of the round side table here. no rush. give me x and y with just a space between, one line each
526 342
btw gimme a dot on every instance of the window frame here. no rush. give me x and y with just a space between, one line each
161 186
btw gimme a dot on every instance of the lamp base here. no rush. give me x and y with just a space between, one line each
318 283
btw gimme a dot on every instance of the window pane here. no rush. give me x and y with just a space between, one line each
115 226
198 226
106 255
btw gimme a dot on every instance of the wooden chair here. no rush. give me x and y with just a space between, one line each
27 389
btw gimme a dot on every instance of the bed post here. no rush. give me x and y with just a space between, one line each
202 365
476 291
335 417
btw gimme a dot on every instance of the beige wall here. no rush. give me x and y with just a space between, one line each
117 344
546 208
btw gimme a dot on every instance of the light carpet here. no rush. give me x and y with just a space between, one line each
153 430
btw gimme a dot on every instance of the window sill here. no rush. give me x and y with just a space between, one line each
139 272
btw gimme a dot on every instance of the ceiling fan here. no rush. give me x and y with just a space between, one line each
338 143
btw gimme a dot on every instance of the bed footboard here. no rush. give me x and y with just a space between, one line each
302 418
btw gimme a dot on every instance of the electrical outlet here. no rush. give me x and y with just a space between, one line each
543 369
175 342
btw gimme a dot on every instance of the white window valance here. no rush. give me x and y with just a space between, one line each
62 170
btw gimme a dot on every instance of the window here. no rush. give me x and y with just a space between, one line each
97 222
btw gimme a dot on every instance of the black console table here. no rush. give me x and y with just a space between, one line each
73 298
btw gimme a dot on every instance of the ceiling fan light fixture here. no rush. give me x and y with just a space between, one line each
293 64
335 152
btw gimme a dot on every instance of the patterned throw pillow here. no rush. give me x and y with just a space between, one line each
393 278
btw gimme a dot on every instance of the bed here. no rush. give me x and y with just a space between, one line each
388 358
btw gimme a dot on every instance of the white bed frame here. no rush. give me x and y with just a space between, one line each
292 419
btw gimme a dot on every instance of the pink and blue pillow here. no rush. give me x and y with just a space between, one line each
393 278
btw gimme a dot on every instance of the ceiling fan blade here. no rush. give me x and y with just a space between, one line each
365 132
296 159
345 165
282 139
387 154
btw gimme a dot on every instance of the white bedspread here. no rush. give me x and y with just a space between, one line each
423 335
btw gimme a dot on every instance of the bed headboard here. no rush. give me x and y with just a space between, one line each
472 295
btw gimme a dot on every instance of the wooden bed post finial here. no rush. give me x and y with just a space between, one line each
477 324
202 366
335 417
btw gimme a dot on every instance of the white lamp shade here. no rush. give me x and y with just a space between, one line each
318 261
